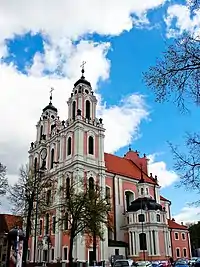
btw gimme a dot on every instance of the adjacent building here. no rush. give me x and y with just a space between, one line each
143 227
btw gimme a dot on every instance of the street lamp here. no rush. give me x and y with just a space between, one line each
43 155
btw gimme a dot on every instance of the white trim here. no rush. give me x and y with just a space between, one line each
179 252
175 236
63 253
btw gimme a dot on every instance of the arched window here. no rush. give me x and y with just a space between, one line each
87 107
91 186
108 195
67 188
35 164
47 224
73 110
129 197
158 217
91 145
141 218
52 158
69 146
41 131
143 241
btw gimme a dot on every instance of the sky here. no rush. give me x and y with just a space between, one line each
43 44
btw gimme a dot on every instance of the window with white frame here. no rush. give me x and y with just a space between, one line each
176 236
129 197
183 236
178 252
184 252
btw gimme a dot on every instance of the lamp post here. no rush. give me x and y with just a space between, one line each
43 155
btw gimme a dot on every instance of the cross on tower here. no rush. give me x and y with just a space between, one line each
83 65
52 89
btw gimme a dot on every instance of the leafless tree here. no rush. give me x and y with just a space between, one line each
97 215
3 180
81 211
31 188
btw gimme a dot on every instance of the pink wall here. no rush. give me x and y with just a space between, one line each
180 243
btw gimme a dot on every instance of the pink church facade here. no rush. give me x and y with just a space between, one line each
143 227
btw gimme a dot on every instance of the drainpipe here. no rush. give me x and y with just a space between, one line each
114 207
172 249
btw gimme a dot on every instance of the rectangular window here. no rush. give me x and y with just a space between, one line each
54 224
176 236
178 253
116 251
183 236
65 254
52 254
184 252
28 255
40 227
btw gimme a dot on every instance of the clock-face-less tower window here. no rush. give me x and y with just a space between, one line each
91 145
73 110
69 146
52 158
87 107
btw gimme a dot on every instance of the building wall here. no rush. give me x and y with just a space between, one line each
180 244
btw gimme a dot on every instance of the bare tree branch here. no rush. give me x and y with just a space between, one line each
187 164
177 74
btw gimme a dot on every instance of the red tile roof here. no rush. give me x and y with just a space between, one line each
124 167
174 225
164 199
8 221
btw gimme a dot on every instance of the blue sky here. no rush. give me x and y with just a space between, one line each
117 54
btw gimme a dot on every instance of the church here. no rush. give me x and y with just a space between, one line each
142 225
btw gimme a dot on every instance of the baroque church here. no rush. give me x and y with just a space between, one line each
142 225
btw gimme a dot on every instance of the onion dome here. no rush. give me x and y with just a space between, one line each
82 80
50 105
144 203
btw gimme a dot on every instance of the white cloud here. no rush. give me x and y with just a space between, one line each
72 18
166 176
188 215
184 21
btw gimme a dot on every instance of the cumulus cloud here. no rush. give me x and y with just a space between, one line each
166 176
188 215
179 20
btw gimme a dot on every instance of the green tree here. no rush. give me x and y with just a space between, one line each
3 180
175 77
